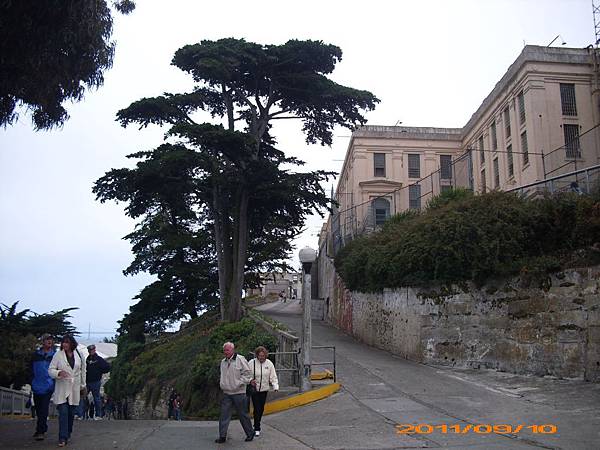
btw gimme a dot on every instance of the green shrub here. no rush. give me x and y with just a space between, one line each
462 237
448 197
187 361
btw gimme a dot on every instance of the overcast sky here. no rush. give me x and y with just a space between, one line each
431 63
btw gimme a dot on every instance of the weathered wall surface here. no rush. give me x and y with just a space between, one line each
141 407
517 325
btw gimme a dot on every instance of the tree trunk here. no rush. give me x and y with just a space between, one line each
232 247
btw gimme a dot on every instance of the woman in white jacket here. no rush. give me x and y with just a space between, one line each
263 376
68 369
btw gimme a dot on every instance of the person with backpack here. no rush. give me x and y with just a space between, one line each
67 368
42 384
96 366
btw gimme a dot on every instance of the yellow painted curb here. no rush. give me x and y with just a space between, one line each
302 399
321 375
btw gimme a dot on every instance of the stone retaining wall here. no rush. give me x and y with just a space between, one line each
540 327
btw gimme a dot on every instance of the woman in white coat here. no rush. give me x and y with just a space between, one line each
68 369
263 377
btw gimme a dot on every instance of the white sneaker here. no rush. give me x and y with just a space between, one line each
97 418
257 433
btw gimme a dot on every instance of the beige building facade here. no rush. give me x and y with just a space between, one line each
540 122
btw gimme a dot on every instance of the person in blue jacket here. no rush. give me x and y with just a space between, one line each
42 385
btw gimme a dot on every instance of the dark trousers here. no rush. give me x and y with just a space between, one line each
237 401
94 388
66 414
258 403
42 404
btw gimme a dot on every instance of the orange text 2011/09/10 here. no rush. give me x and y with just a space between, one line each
425 428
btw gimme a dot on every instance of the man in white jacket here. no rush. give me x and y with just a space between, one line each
235 376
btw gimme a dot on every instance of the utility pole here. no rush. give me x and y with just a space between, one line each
307 257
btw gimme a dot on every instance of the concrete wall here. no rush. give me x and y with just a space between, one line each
513 325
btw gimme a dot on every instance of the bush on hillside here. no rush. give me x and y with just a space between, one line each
187 361
469 238
449 196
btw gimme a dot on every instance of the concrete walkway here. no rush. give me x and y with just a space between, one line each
382 390
379 392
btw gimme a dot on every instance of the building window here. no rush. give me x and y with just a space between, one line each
414 166
524 148
481 150
521 102
507 122
446 167
572 145
381 209
496 174
483 182
567 99
379 164
414 196
445 188
509 159
494 137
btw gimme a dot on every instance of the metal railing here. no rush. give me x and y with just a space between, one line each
566 167
581 181
326 363
13 402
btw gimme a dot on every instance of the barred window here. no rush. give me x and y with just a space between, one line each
414 196
494 136
379 164
414 166
572 144
507 122
521 102
445 167
524 148
509 159
481 150
567 99
381 208
483 182
496 174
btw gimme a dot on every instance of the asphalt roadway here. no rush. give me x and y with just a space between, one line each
382 396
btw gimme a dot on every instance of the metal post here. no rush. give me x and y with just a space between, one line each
587 182
305 384
334 368
544 163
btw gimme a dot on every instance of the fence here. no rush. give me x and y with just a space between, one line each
286 357
570 166
13 402
582 181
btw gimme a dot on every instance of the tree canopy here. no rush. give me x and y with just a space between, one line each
19 331
51 52
251 204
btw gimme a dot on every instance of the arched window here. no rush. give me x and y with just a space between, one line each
381 210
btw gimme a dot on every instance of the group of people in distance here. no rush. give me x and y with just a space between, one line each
65 376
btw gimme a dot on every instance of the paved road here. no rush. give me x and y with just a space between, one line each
382 390
379 392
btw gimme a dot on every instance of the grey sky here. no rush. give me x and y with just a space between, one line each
430 62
